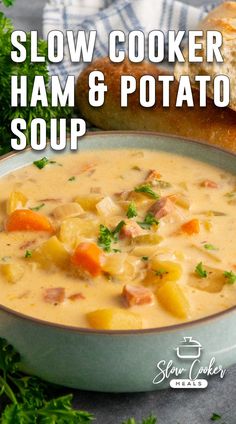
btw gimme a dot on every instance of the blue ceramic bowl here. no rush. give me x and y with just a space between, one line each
119 361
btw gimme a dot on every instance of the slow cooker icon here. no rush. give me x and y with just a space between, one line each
189 349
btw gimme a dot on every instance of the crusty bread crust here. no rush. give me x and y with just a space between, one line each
223 19
213 125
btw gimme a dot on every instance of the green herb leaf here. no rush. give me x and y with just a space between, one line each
71 178
145 258
8 3
28 254
210 247
149 420
116 231
147 189
37 208
215 417
9 68
149 220
29 397
107 237
131 211
41 163
230 277
200 271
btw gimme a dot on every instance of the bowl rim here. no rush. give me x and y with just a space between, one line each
154 330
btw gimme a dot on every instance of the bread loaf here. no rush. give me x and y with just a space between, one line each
222 19
211 124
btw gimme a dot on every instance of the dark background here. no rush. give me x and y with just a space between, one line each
170 406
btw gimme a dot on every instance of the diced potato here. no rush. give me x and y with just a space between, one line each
145 250
13 272
74 230
140 198
16 200
151 238
182 201
172 298
67 210
208 225
88 202
51 252
166 270
162 271
213 283
107 207
114 319
115 264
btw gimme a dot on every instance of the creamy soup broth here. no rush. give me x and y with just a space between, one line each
138 239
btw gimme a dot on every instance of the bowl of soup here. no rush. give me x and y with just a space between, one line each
114 255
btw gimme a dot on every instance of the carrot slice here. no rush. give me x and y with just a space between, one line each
89 257
191 227
27 220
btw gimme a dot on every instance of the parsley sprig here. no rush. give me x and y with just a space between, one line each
200 270
147 189
149 420
149 220
131 211
209 246
230 277
37 208
8 68
7 3
107 237
29 397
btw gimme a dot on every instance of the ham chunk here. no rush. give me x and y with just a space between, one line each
209 184
76 296
135 295
131 229
152 176
54 295
162 208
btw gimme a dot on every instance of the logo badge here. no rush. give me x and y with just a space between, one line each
191 376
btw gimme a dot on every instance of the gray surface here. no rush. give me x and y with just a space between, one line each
171 407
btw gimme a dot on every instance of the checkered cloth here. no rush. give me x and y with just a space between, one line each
107 15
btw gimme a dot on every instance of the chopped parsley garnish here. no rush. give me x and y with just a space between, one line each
149 220
41 163
149 420
145 258
215 417
37 208
71 178
107 237
200 271
131 211
147 189
230 277
116 250
28 254
116 231
210 247
28 399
